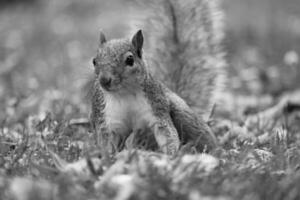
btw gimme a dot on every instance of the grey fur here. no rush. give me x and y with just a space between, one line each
184 47
174 118
192 56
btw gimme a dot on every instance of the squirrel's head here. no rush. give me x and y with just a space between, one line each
119 64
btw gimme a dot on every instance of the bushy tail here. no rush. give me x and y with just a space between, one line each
184 47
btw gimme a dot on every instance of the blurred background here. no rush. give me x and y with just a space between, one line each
46 48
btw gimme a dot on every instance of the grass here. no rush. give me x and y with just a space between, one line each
45 61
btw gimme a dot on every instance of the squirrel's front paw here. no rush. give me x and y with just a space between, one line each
166 137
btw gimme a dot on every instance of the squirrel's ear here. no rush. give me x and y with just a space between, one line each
102 38
137 42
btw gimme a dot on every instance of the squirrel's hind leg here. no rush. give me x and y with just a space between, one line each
166 136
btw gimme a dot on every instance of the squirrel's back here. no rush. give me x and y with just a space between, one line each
184 47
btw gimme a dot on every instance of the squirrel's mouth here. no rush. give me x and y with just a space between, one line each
109 88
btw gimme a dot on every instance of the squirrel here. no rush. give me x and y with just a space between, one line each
128 99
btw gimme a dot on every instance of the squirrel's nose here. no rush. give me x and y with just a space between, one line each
105 82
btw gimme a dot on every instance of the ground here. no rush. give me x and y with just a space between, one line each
46 48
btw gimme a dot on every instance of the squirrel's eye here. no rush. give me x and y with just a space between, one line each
94 62
129 60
